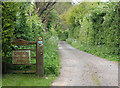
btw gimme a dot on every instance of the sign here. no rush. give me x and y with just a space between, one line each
40 42
40 38
21 57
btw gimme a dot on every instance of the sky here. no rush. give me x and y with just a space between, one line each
76 1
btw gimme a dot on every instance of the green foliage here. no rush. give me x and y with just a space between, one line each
51 56
98 50
8 26
52 21
21 22
95 25
69 40
63 35
62 7
28 24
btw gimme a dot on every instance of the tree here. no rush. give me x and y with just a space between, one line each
43 9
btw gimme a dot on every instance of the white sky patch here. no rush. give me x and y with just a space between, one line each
77 1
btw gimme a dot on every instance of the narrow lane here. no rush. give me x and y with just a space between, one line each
82 69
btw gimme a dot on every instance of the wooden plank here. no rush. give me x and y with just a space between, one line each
31 57
23 42
20 42
39 59
21 71
27 49
32 42
23 64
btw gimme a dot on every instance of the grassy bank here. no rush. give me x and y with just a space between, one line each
100 51
27 80
0 82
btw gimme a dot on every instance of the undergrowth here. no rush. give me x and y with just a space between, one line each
98 50
51 56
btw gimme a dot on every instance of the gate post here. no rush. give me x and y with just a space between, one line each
39 56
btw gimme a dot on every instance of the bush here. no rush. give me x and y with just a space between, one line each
63 35
70 40
51 56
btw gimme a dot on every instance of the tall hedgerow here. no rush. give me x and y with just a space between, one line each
95 24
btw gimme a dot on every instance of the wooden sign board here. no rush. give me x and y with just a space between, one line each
21 57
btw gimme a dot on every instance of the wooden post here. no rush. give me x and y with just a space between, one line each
39 56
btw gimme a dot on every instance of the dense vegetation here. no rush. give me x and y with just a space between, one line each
93 27
21 21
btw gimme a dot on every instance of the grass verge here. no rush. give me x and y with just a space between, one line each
0 82
27 80
100 51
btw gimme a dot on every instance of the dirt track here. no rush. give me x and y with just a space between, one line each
82 69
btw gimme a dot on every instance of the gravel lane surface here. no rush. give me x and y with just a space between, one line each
82 69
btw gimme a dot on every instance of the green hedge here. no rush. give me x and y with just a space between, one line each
95 24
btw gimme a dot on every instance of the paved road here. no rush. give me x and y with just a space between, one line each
82 69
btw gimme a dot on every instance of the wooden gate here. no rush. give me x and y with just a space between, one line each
22 56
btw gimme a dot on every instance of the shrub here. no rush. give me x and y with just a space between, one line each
51 56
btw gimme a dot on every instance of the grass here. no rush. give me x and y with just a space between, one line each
0 82
100 51
27 80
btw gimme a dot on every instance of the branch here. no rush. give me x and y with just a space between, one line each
45 8
50 4
43 19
